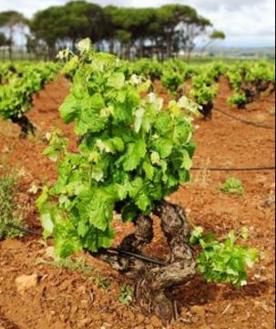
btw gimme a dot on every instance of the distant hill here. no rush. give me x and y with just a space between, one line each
244 52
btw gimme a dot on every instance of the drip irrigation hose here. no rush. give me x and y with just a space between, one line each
137 256
235 169
247 122
110 250
23 229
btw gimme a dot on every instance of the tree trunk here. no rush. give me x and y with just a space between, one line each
169 43
10 50
111 46
141 48
154 282
51 52
128 50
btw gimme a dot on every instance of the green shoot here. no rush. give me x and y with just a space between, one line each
226 261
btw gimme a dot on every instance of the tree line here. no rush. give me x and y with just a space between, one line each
127 32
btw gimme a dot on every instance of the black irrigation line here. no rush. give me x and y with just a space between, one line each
235 169
137 256
154 261
247 122
23 229
117 251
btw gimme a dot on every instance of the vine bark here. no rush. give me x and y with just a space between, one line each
25 124
154 283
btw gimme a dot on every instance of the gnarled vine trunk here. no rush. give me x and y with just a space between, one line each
253 91
206 110
154 282
25 124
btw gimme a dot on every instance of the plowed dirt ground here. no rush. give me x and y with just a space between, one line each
88 297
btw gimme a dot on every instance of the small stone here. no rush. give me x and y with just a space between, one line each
5 149
83 323
84 303
149 326
155 321
74 309
140 318
269 201
198 310
97 317
82 290
25 282
131 316
106 326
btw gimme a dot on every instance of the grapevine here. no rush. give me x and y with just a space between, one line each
132 153
16 96
249 80
204 90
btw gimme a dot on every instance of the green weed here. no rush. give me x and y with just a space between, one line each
126 294
9 209
232 186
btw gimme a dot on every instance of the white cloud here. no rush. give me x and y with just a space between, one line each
248 22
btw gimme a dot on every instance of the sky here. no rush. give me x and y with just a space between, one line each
248 23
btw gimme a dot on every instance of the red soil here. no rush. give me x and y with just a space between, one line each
66 299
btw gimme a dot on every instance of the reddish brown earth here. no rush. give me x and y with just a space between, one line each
63 299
